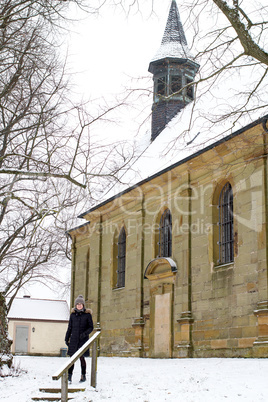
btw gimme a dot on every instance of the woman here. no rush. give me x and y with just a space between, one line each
79 327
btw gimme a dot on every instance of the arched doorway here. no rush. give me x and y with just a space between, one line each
161 274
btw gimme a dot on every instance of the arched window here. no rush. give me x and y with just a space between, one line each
121 259
226 226
165 235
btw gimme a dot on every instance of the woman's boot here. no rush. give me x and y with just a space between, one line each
70 378
83 378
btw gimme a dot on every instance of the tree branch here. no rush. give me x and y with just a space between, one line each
251 48
42 174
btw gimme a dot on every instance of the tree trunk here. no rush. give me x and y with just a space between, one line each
5 342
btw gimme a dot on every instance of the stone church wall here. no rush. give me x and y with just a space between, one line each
206 309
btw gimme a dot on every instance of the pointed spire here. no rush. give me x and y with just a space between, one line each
174 44
173 70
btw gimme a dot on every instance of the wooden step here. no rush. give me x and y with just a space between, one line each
49 394
57 390
50 398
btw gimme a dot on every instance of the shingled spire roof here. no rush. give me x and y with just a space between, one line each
173 70
174 44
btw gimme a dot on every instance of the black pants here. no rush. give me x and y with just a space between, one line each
83 366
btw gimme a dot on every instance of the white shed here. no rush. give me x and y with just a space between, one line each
38 326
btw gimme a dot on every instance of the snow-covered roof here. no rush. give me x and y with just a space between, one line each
170 149
27 308
174 44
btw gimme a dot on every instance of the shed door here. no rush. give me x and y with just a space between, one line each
21 339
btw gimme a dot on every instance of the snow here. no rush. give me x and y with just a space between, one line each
36 309
172 50
191 131
174 43
147 380
184 136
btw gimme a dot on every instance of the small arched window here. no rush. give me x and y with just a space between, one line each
121 259
226 225
165 235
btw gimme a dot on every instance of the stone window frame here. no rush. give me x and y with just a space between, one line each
165 234
214 256
226 225
121 258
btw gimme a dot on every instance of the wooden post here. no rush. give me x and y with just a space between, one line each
64 387
63 371
94 365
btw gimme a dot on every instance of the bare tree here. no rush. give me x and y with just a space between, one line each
229 42
231 37
247 19
240 20
49 160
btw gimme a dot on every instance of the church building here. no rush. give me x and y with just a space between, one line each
176 265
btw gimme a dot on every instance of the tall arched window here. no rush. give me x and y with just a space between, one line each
226 226
121 259
165 235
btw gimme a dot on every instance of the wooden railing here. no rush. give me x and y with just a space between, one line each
63 371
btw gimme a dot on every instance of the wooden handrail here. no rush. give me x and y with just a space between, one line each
62 372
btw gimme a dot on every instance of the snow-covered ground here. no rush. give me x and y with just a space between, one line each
147 380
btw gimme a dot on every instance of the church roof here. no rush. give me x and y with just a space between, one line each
157 158
174 44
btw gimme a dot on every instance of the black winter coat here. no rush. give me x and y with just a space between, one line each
79 327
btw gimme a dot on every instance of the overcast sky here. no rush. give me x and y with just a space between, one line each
110 47
105 52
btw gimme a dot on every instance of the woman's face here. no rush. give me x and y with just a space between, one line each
79 306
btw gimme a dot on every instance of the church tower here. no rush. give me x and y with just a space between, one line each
173 70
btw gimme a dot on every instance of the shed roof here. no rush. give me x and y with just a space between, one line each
39 309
